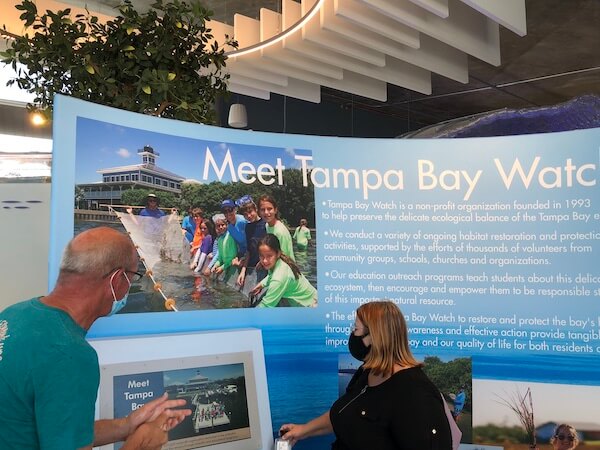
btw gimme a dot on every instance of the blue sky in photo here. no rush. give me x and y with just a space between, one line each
102 145
213 373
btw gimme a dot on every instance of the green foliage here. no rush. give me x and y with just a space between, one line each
79 197
294 200
494 434
137 197
158 62
450 376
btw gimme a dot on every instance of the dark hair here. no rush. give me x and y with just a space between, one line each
245 207
211 227
272 241
268 198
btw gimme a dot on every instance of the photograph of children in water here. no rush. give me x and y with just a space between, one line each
217 225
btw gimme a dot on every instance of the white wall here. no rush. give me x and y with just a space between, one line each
25 235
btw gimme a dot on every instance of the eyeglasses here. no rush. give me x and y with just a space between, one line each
137 276
227 210
562 437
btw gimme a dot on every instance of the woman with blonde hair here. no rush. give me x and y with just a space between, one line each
389 404
564 437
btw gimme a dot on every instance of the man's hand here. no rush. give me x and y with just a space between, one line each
152 410
153 435
107 431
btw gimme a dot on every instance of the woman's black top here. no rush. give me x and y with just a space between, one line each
405 412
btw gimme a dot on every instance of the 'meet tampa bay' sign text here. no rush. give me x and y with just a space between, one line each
429 177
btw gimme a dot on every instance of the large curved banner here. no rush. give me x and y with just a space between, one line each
489 246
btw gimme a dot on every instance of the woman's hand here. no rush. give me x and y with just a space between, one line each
292 432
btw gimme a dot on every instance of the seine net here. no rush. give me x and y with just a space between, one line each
157 238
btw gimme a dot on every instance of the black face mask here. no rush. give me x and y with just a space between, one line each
357 347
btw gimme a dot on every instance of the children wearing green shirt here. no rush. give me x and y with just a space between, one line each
227 248
284 280
302 235
269 212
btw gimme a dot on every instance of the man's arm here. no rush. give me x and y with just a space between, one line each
150 435
108 431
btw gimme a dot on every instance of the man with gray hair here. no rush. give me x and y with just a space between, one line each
49 374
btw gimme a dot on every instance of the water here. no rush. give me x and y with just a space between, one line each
572 368
300 392
193 292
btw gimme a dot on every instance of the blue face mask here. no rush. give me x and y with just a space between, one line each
118 304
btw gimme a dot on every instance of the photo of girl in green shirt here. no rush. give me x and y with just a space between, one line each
285 285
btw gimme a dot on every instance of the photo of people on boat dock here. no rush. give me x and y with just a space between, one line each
208 236
217 397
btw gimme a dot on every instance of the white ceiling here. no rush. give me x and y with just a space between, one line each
557 60
354 46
